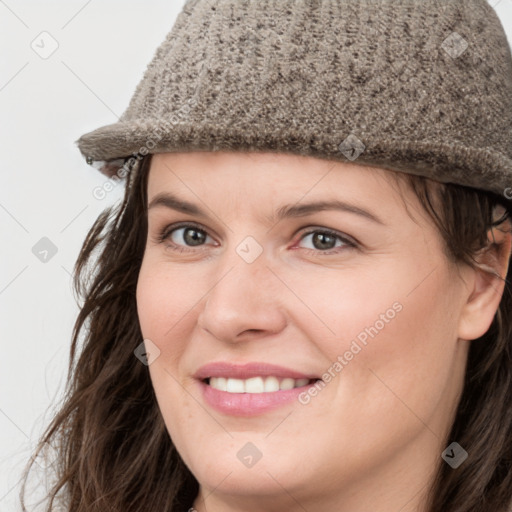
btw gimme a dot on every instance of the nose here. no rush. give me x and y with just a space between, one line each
245 302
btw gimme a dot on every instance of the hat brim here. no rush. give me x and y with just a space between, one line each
447 162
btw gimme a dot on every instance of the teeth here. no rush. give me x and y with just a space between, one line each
255 384
271 384
235 386
287 384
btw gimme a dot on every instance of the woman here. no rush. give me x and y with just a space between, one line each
303 301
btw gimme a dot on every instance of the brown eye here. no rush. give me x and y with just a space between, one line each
322 240
183 236
190 235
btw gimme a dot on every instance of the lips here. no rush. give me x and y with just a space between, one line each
246 371
230 394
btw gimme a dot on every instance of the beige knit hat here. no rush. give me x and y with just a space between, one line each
423 87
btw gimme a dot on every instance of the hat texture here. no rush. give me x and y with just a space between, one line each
422 87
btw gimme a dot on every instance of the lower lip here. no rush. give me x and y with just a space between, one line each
249 404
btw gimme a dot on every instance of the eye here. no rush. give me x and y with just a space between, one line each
323 240
182 236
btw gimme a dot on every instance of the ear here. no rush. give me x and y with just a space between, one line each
486 284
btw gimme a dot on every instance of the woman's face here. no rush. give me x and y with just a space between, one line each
257 291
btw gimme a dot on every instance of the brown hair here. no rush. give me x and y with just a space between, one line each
114 452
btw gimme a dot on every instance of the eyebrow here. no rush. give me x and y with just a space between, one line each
168 200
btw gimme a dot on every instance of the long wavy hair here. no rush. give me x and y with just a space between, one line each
114 453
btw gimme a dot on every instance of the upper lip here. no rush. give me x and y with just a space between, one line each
248 370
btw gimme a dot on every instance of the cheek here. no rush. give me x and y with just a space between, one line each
163 302
165 296
386 335
342 306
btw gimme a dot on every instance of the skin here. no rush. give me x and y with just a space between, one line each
375 432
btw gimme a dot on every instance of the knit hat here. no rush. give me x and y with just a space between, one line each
422 87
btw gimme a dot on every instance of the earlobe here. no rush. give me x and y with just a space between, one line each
486 286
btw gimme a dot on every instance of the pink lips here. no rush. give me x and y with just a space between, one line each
246 371
248 404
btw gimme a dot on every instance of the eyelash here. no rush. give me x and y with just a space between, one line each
165 233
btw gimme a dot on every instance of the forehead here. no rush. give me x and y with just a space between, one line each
276 171
264 182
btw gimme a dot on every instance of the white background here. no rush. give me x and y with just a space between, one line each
45 105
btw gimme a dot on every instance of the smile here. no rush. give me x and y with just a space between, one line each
268 384
250 388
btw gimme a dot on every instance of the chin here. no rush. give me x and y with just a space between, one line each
230 470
